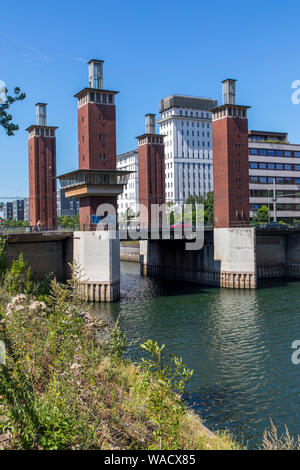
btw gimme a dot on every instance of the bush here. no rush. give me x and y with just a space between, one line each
18 278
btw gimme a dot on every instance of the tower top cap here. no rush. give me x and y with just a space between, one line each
229 80
96 60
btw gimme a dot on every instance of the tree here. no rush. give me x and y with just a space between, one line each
208 203
67 221
262 215
5 117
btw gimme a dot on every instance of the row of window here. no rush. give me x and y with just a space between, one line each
279 207
269 193
274 166
193 133
193 143
274 153
44 132
103 98
270 179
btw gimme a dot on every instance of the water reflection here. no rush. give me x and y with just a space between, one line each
237 342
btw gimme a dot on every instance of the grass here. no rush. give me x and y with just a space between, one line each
62 389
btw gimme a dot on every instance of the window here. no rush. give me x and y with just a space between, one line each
279 166
262 152
287 154
279 153
297 180
297 167
279 180
270 180
296 154
253 151
253 179
253 165
254 207
287 166
262 166
271 166
262 179
270 153
288 180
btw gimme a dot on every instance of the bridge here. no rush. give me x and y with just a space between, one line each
232 258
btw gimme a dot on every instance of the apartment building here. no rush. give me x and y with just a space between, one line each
18 209
274 161
129 199
8 211
186 123
66 206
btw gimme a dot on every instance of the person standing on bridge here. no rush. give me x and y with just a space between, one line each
38 224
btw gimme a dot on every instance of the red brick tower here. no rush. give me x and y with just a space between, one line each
230 167
151 160
42 171
96 135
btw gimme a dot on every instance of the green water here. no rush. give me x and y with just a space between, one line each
237 342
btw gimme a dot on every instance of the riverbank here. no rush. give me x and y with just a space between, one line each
60 389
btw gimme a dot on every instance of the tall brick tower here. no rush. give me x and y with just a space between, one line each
42 170
97 182
151 169
230 155
96 135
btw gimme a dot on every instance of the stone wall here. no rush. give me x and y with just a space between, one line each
44 253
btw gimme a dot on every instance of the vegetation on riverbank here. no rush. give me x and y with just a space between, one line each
62 389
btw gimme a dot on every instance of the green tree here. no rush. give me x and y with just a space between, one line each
67 221
208 203
262 215
5 116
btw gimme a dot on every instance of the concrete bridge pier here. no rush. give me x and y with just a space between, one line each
235 249
97 255
227 259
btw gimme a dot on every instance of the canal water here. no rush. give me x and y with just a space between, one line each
237 342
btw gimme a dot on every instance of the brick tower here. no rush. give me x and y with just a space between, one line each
230 155
96 135
151 169
42 171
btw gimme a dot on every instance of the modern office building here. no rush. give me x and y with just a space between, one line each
186 123
273 160
66 205
129 199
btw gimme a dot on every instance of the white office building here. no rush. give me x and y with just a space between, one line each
186 124
129 199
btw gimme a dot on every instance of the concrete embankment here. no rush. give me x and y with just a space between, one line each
130 252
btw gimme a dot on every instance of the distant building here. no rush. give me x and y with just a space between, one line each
186 123
66 206
26 209
8 211
18 209
273 159
130 197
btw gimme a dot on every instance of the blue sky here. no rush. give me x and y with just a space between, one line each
151 50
